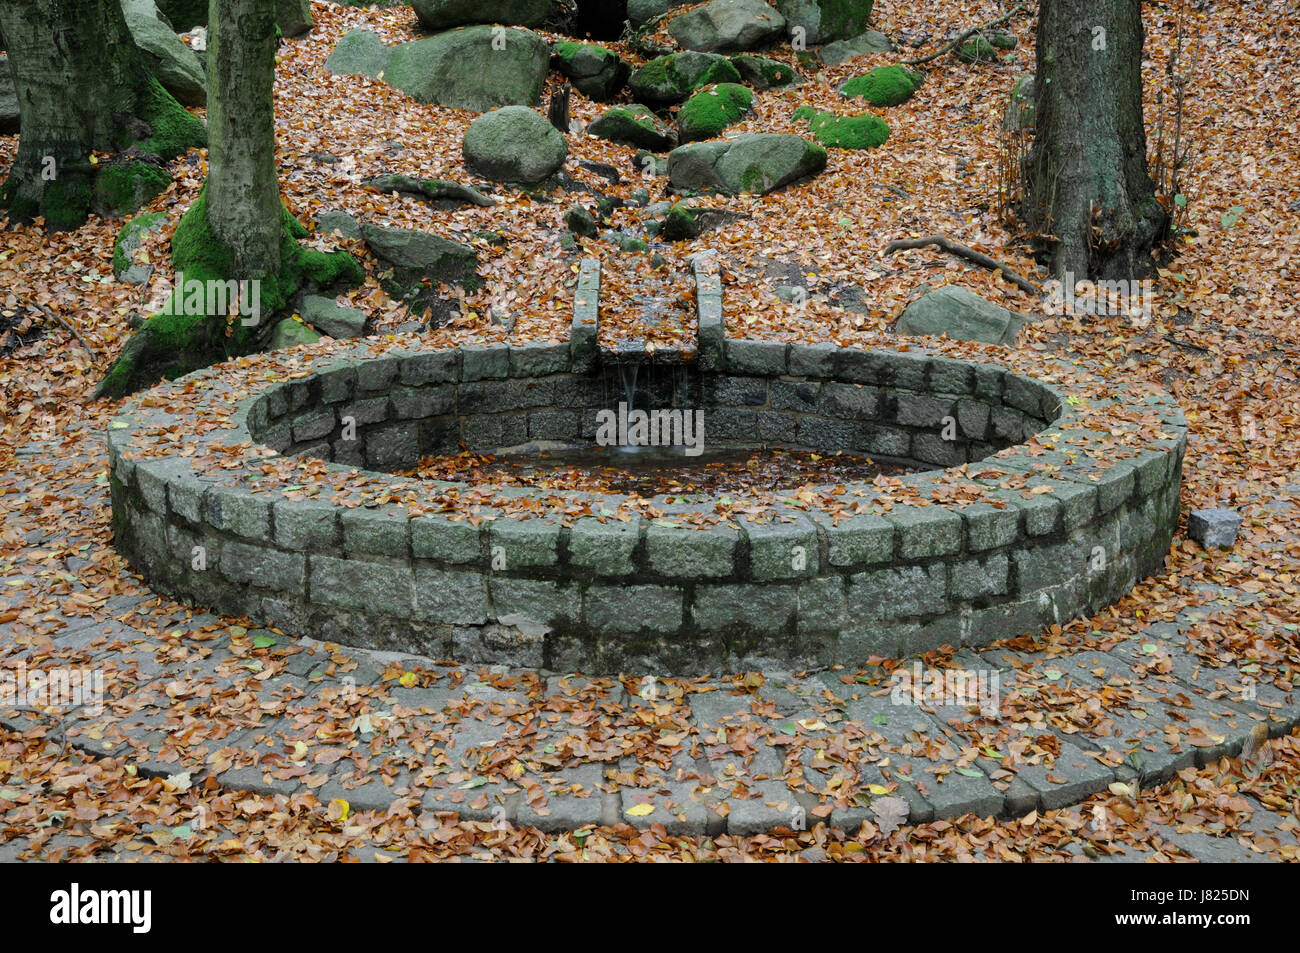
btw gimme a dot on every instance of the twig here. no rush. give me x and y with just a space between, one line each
970 254
64 322
1018 9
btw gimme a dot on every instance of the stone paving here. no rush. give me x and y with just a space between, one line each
192 694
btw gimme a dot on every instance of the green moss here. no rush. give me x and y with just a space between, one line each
664 72
977 50
123 187
66 203
844 132
567 49
173 129
883 86
681 223
712 110
844 18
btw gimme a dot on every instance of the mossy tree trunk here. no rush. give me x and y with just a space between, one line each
242 190
237 230
82 86
1088 184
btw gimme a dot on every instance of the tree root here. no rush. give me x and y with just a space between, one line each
62 322
970 254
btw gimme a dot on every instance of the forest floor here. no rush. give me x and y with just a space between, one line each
1223 339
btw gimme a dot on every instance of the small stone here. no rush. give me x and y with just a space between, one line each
1215 528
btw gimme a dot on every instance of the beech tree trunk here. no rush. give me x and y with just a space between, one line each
82 86
243 194
1088 181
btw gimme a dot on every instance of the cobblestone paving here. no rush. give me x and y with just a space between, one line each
190 696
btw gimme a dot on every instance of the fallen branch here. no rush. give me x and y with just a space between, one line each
63 322
431 189
970 254
1018 9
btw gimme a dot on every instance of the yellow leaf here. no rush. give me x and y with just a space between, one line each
639 810
339 809
407 680
877 789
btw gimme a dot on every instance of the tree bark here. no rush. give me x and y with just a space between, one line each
1088 186
243 193
82 87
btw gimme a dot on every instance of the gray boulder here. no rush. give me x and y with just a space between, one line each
336 220
360 53
826 20
1020 109
329 317
841 51
129 241
960 314
177 67
444 14
462 69
514 144
670 79
8 98
418 262
758 163
634 125
291 333
594 71
727 25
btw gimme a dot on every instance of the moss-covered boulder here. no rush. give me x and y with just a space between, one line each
173 62
129 241
476 68
727 26
758 163
596 72
445 14
124 186
327 316
844 132
712 110
883 86
977 50
514 144
761 72
670 79
291 333
360 53
633 125
827 20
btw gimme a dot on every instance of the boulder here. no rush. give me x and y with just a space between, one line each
291 333
336 220
121 187
594 71
8 99
841 51
826 20
727 25
844 132
129 241
883 86
1020 109
514 144
293 17
418 262
763 73
712 110
758 163
445 14
360 53
960 314
633 125
177 67
463 70
670 79
329 317
977 49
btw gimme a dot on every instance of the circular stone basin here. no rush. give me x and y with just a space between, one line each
257 489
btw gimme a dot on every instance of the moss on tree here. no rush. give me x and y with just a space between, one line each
177 341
